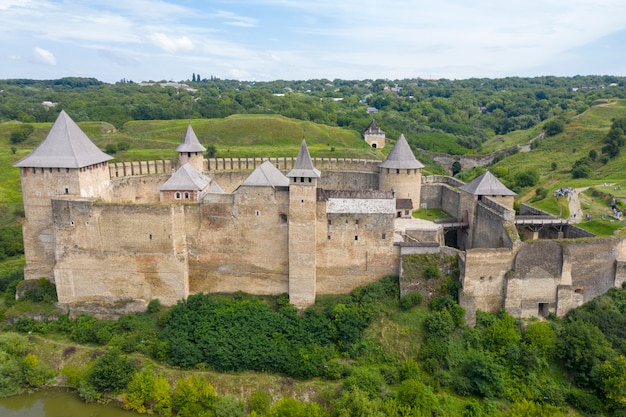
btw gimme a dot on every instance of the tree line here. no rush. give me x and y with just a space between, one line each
452 116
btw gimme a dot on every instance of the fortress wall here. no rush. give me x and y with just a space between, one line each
118 252
287 163
483 274
442 179
138 190
537 276
343 262
573 232
241 243
441 196
128 169
593 264
451 201
489 230
430 197
333 180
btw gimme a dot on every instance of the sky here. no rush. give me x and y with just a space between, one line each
266 40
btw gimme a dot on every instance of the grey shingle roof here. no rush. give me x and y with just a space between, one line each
401 157
190 142
65 146
266 175
304 166
373 129
486 184
214 188
186 178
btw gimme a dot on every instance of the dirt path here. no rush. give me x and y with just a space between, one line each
575 212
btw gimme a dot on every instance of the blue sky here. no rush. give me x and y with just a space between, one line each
263 40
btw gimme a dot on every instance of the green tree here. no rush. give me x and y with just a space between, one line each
193 396
112 371
554 127
149 393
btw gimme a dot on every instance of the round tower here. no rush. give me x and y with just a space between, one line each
65 165
302 229
191 151
401 173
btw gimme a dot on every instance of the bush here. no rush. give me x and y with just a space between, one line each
112 372
37 291
366 380
410 300
110 148
554 127
260 402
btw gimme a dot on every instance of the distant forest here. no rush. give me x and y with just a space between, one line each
471 110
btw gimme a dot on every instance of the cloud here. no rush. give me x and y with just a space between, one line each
120 58
44 57
233 19
169 44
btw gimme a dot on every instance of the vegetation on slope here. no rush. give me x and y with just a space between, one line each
368 352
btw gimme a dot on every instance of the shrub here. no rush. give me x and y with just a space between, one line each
260 402
554 127
366 380
37 291
410 300
112 372
432 271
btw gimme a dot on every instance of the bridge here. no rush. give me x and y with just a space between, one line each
540 221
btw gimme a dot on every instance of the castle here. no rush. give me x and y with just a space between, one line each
113 236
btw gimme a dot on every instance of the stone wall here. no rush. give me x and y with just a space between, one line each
119 252
541 277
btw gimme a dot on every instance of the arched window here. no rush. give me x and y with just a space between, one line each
186 196
177 195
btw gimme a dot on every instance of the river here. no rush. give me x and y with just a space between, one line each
56 403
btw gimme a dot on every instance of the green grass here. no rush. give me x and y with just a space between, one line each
602 226
518 137
430 214
11 264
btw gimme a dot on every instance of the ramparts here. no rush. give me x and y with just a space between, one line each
136 168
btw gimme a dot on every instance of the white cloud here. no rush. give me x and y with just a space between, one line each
170 44
233 19
43 56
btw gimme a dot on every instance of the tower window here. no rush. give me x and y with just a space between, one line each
177 196
384 236
356 238
67 190
329 222
357 221
310 180
301 179
328 237
301 201
257 212
397 171
186 196
283 218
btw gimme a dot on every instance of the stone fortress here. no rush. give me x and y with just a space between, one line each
113 236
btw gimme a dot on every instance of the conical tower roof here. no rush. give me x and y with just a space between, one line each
304 166
401 157
66 146
186 178
486 184
190 142
266 175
